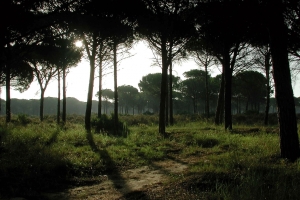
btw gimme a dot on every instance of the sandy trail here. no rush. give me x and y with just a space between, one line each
117 186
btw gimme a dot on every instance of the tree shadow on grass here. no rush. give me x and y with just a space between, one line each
114 174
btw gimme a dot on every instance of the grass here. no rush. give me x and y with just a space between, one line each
243 164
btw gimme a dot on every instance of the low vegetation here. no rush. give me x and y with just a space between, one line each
243 164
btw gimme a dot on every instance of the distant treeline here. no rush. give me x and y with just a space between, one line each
31 106
74 106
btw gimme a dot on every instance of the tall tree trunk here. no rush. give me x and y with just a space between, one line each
228 91
116 119
64 102
220 103
164 78
91 56
88 110
268 88
100 84
42 104
289 141
167 102
171 94
58 97
8 100
206 93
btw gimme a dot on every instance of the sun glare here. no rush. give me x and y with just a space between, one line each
78 43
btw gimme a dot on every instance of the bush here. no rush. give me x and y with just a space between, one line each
106 125
23 119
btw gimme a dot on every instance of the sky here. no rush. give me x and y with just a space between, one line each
131 71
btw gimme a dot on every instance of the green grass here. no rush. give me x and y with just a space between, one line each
243 164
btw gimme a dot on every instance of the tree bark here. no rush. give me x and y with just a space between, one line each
167 102
220 104
7 81
58 97
206 93
42 104
171 94
8 100
289 141
64 102
88 110
268 88
116 119
227 90
100 85
164 77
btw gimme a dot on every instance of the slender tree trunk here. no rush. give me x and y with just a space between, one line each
206 93
88 110
268 88
7 81
167 102
42 104
8 100
64 102
228 91
58 97
100 84
164 78
220 103
171 94
289 141
100 92
116 119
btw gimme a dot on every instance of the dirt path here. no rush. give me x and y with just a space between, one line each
117 186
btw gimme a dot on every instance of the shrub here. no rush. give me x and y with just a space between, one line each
106 125
23 119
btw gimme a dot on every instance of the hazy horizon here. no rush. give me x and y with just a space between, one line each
131 71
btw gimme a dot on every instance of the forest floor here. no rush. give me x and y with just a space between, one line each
146 182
